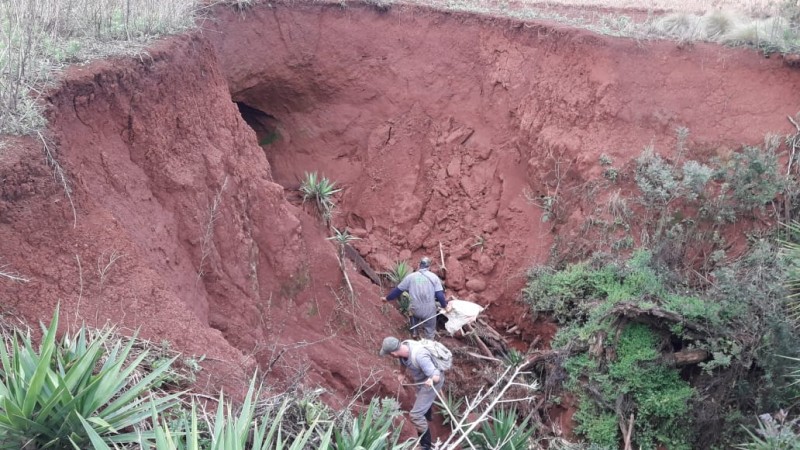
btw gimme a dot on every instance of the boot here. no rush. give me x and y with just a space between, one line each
425 440
429 414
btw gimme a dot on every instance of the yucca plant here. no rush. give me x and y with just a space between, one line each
451 408
792 249
53 397
794 374
514 357
371 430
396 274
342 238
320 190
774 434
243 431
503 432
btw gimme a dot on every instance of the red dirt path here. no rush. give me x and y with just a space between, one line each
439 127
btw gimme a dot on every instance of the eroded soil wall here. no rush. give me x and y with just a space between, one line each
456 129
441 128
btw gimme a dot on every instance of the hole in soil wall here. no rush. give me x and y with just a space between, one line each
265 125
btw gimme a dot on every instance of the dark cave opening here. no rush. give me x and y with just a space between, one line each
265 125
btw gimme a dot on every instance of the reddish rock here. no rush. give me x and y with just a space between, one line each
485 264
455 274
476 285
417 236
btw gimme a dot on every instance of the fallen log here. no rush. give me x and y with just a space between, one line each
658 318
687 357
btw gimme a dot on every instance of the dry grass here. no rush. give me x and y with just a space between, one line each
752 7
769 25
38 37
771 34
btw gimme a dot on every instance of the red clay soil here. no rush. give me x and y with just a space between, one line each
440 128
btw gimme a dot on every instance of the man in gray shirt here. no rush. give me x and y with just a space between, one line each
421 365
423 286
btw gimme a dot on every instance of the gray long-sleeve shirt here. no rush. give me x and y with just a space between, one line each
424 367
422 286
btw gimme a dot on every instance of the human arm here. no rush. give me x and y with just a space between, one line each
440 297
396 292
428 368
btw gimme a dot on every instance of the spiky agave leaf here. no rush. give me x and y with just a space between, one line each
792 251
49 396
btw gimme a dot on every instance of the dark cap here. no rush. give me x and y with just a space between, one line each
424 263
390 344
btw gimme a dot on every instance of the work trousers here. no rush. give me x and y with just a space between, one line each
425 398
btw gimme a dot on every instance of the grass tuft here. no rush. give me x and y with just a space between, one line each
39 37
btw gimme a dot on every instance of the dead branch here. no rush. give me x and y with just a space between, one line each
687 357
361 264
627 432
463 429
479 341
658 318
487 358
13 276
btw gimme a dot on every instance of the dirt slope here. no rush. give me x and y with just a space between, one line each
439 127
444 127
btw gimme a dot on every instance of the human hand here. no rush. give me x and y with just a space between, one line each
448 308
429 382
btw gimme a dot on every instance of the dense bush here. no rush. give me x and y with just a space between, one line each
621 319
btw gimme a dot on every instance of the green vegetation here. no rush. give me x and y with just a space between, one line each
628 317
451 407
75 391
373 429
395 275
96 390
503 432
320 190
774 434
621 321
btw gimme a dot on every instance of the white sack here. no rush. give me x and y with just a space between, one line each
463 312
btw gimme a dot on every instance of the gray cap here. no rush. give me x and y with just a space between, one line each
390 344
424 263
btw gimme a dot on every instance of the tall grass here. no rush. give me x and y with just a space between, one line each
38 37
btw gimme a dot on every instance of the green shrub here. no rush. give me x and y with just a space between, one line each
452 409
599 429
659 397
320 190
655 178
695 178
228 431
372 430
513 357
774 434
396 274
753 177
74 392
503 432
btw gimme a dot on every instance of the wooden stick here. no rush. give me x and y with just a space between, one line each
487 358
794 147
441 255
627 435
480 342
